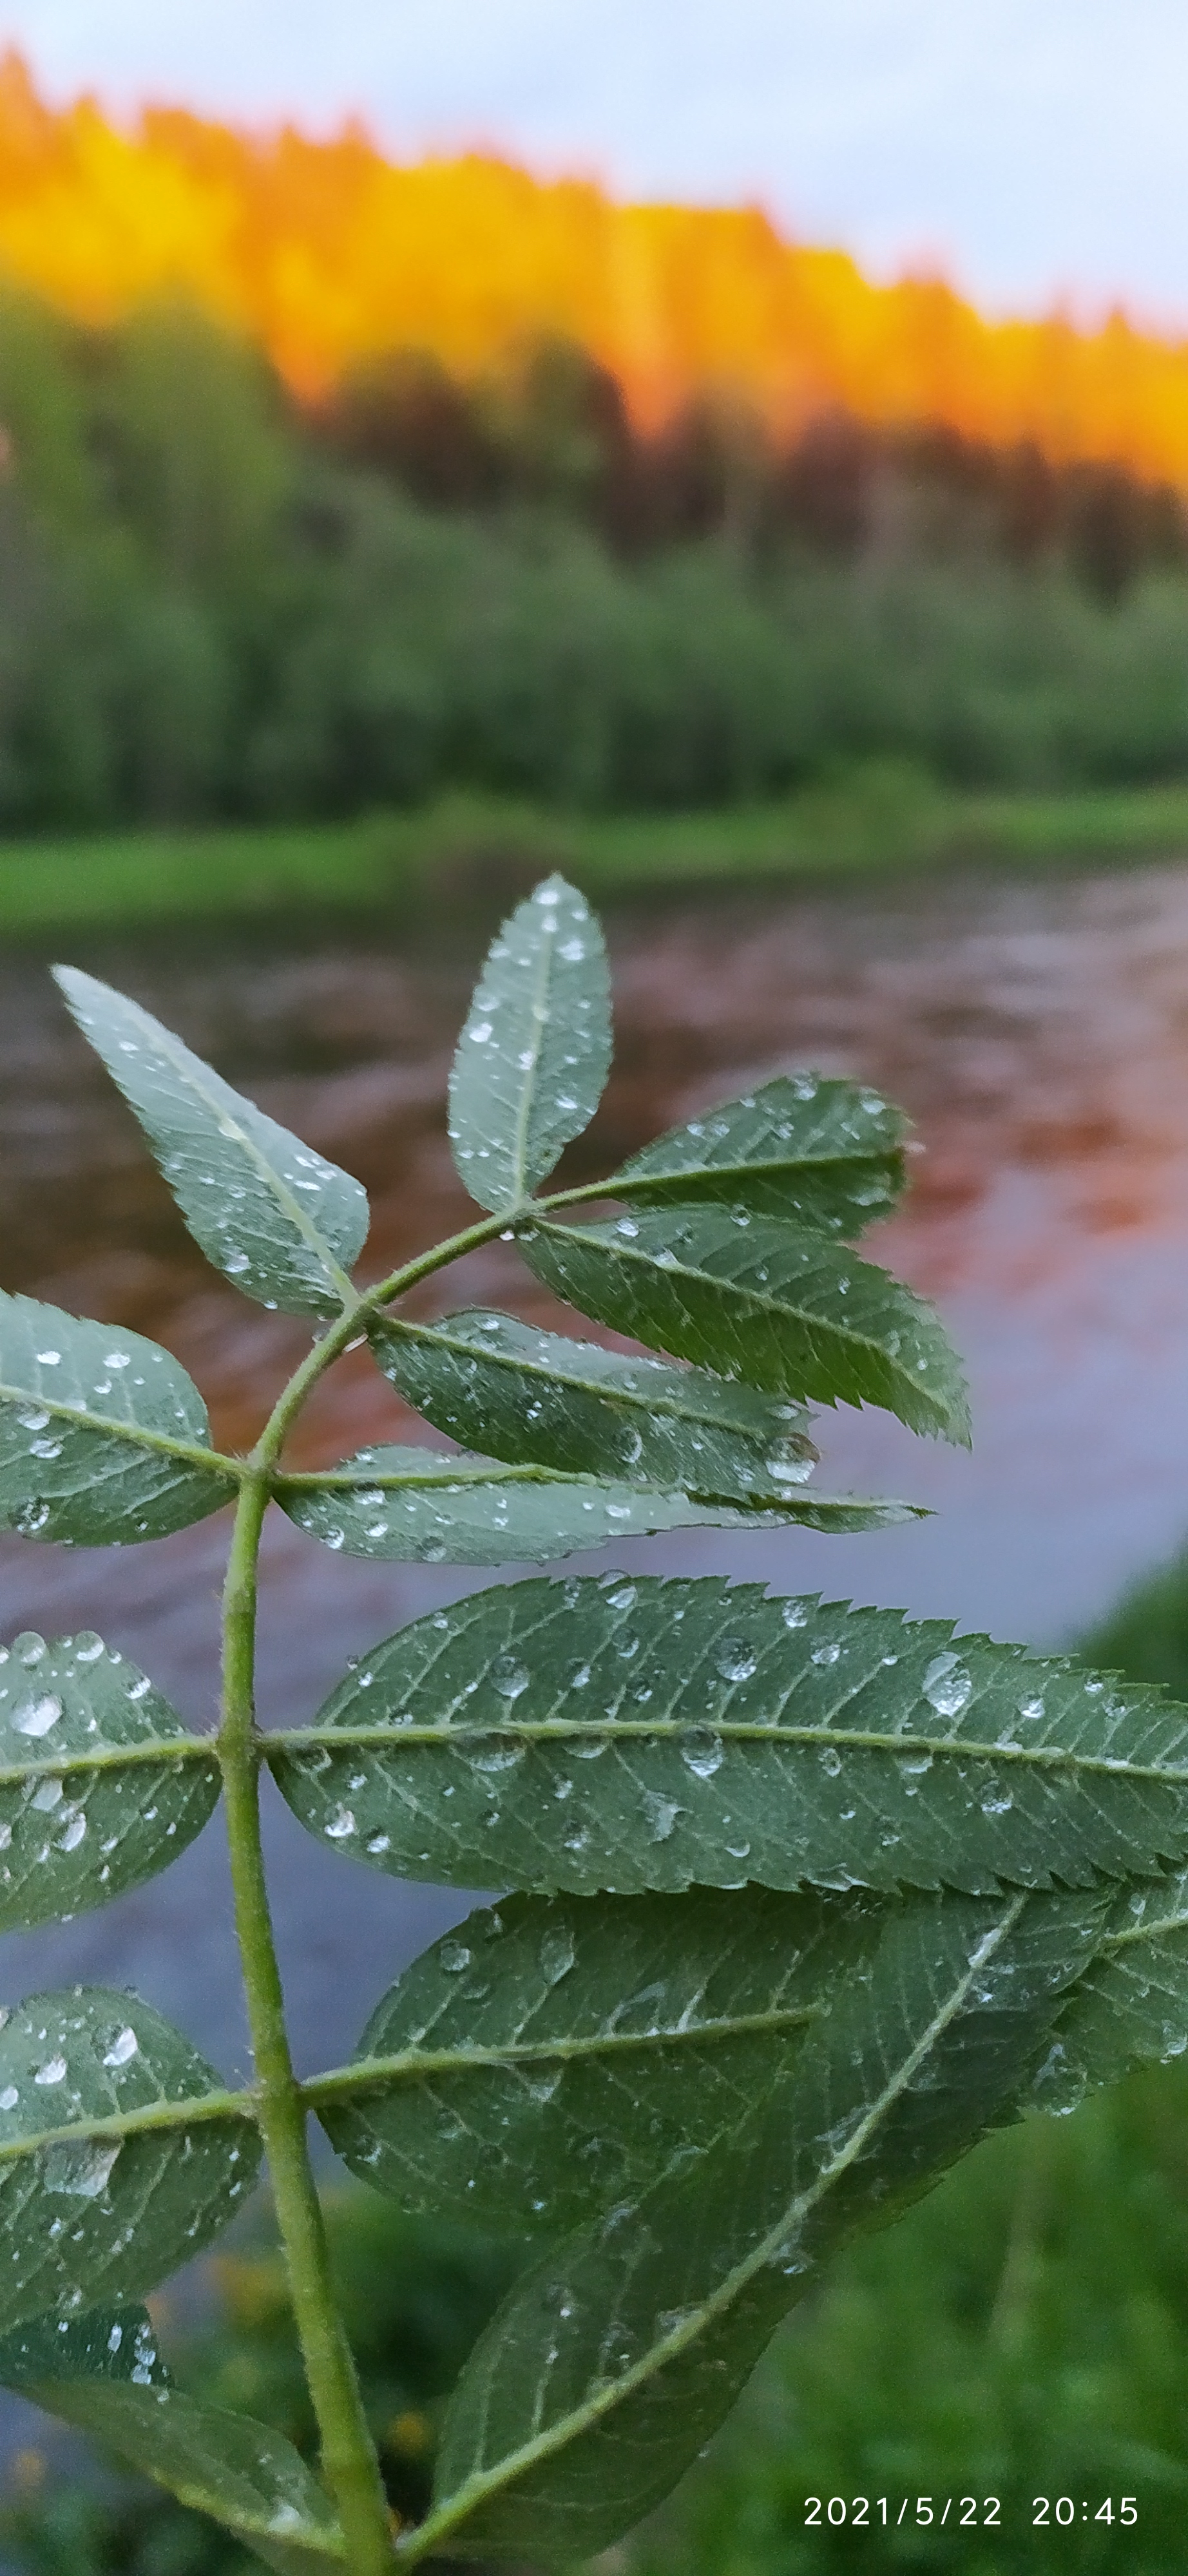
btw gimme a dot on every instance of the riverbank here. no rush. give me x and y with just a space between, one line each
883 821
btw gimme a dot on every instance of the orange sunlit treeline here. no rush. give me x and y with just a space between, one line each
327 254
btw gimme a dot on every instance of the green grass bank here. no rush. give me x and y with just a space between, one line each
884 821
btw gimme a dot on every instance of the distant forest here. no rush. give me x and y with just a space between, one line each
215 604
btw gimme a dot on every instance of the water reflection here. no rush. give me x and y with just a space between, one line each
1039 1036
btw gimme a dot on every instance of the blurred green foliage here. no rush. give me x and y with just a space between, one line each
413 2297
213 606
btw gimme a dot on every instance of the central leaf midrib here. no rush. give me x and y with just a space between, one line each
391 1737
290 1206
366 2074
776 1304
540 999
138 1435
595 1389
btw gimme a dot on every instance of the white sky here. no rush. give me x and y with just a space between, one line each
1032 148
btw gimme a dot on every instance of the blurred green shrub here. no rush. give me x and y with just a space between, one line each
214 606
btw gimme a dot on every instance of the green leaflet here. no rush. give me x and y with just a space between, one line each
268 1211
829 1154
104 2189
103 2372
416 1503
534 1055
504 1387
553 2057
607 2369
760 1299
635 1734
100 1783
103 1437
1132 2007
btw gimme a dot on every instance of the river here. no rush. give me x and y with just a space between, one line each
1037 1033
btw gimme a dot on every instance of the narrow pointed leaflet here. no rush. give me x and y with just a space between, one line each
415 1503
555 2056
636 1734
607 2369
268 1211
103 2373
120 2154
502 1386
100 1783
829 1154
534 1055
782 1307
103 1437
1131 2007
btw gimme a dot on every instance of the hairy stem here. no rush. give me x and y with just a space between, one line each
348 2453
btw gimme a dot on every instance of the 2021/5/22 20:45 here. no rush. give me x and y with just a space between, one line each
983 2512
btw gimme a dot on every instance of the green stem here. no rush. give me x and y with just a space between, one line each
348 2453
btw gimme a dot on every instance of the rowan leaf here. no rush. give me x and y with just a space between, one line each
507 1388
401 1503
100 1783
757 1298
609 2366
268 1211
829 1154
103 1437
554 2056
103 2373
639 1734
534 1055
121 2155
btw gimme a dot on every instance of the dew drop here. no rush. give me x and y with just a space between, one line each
735 1659
37 1716
509 1677
556 1955
661 1814
701 1751
84 2171
124 2047
947 1685
500 1754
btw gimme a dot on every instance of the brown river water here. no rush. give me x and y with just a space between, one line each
1037 1034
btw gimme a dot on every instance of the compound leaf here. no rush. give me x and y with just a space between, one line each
100 1783
534 1055
760 1299
268 1211
106 2184
609 2366
418 1503
829 1154
553 2057
103 2372
518 1393
103 1437
626 1735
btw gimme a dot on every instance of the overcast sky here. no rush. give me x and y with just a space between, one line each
1033 148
